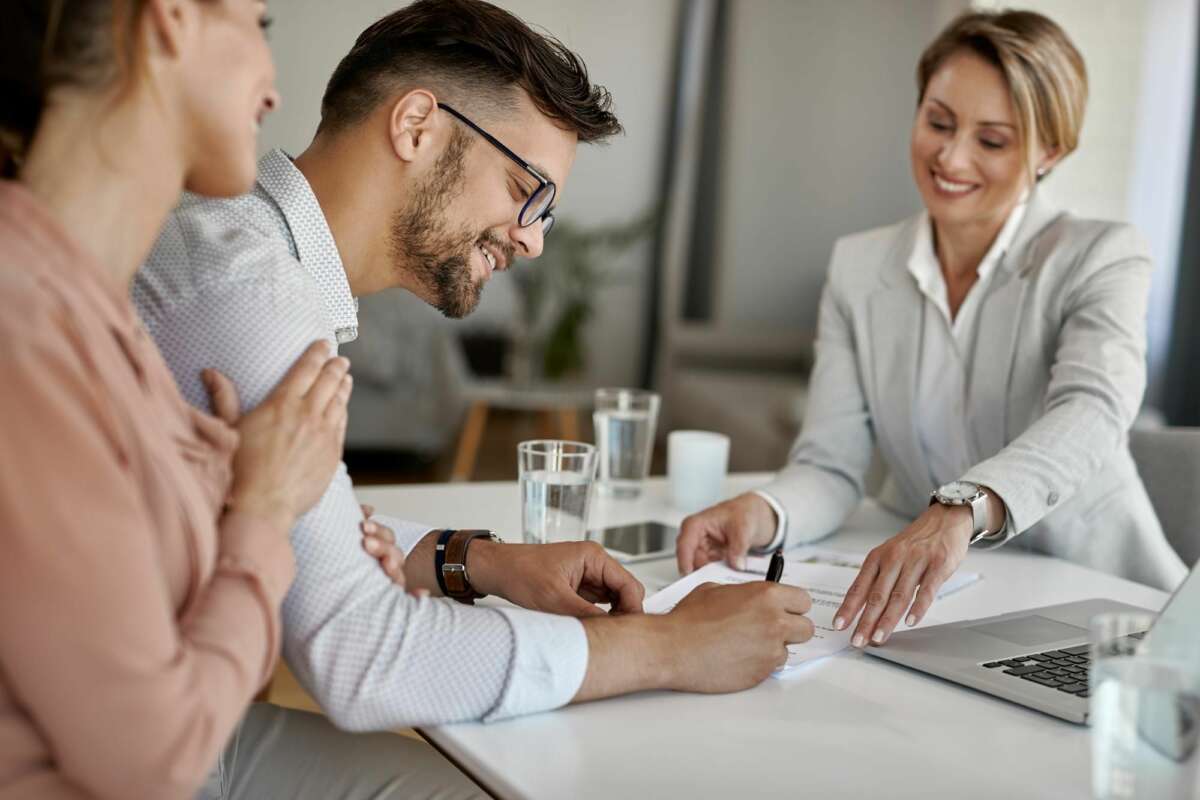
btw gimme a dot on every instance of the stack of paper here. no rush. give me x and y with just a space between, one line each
826 574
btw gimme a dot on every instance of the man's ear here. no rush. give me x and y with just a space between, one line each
414 125
167 25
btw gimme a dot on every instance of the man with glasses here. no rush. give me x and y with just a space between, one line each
446 137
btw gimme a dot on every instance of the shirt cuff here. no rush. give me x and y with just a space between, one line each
780 526
999 537
550 657
407 533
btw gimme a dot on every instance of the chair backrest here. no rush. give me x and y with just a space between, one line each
1168 460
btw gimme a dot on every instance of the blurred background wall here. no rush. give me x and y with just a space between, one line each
811 138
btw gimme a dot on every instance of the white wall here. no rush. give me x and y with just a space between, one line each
627 45
821 98
1095 180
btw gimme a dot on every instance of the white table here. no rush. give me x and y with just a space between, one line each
853 726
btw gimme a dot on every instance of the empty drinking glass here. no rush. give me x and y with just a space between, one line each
1145 714
625 420
556 484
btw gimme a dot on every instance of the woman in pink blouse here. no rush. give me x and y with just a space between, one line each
143 545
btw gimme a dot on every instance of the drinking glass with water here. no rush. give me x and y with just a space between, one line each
556 484
625 420
1145 713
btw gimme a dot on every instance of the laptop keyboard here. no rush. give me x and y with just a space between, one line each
1065 670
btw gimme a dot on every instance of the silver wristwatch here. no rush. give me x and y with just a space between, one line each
966 493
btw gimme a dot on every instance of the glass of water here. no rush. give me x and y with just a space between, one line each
1145 714
625 420
556 484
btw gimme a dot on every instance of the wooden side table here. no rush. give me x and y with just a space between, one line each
557 405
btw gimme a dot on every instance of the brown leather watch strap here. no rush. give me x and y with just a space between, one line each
455 579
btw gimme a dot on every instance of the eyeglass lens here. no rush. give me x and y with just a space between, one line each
537 206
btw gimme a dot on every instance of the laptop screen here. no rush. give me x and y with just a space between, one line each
1176 632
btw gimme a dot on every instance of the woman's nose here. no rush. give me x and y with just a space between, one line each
953 154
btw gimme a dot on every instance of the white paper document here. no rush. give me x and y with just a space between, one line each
825 573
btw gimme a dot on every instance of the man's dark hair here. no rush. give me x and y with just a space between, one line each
470 52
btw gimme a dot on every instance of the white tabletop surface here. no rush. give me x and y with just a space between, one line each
850 726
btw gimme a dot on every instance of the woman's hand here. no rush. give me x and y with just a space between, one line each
380 541
291 443
725 532
922 556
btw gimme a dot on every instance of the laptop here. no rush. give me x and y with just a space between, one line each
1039 658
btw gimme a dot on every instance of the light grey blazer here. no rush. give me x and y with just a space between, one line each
1056 380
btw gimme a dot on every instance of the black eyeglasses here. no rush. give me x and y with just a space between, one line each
538 206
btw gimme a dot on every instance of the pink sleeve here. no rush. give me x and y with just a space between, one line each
132 701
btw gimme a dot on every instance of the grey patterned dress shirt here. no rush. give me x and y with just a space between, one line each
245 285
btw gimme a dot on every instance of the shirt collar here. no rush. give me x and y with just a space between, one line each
312 240
923 263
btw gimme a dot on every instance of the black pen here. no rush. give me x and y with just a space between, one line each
775 571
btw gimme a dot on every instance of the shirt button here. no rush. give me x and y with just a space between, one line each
1052 498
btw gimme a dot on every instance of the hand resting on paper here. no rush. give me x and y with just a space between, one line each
916 561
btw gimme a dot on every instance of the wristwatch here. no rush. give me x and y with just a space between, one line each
450 563
966 493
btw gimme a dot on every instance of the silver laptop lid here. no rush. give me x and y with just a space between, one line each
1176 632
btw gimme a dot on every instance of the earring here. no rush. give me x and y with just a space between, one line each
1041 172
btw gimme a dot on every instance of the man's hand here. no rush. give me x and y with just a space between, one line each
922 556
732 637
380 542
718 639
725 532
561 578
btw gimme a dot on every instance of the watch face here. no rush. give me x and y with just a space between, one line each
960 491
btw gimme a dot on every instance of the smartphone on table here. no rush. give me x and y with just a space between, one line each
640 541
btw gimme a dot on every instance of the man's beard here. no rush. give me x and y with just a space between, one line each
423 244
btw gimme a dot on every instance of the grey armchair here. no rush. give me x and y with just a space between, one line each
1169 462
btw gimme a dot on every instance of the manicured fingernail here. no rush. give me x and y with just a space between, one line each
839 623
858 640
877 636
372 546
912 620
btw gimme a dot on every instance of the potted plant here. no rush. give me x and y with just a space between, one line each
557 293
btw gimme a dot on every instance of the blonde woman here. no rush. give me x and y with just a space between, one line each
145 545
992 348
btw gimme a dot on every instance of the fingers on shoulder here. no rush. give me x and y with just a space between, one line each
307 367
223 395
